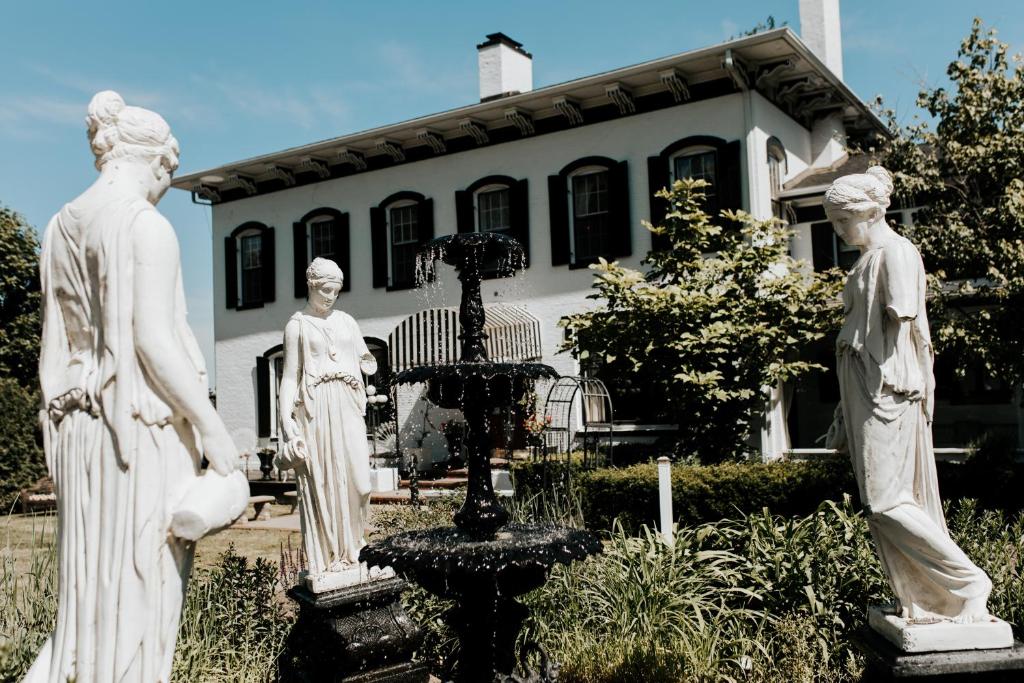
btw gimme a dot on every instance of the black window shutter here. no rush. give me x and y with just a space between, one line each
519 215
301 251
268 261
426 220
464 218
379 246
730 177
231 272
821 246
262 397
618 208
342 251
558 206
657 179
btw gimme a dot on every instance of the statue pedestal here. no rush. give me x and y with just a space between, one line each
940 636
884 662
356 634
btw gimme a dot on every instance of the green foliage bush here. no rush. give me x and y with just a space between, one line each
700 493
724 311
21 460
233 626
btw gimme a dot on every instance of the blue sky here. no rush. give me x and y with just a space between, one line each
236 79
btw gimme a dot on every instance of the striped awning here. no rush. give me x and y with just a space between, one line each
431 337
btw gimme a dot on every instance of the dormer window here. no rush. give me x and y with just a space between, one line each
322 233
398 227
249 266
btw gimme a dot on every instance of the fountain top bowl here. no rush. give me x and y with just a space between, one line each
462 248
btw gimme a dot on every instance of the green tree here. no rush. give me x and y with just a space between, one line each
19 299
21 460
967 172
715 319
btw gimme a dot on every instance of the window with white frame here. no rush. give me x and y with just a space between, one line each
403 237
590 213
493 209
699 163
322 231
250 271
776 175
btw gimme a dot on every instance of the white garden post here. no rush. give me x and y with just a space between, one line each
665 499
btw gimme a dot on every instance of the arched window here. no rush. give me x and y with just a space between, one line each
249 266
777 168
379 413
589 205
699 162
321 233
398 226
495 204
269 370
698 156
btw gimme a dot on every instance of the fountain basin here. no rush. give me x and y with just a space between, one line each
447 560
483 576
448 386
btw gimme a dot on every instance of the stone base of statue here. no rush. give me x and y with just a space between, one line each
358 633
942 652
937 635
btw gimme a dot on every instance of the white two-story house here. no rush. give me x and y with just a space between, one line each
569 170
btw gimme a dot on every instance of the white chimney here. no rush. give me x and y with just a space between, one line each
505 67
819 29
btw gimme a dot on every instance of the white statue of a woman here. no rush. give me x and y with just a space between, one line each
323 403
126 414
884 357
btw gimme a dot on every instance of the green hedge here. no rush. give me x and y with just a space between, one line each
708 493
699 493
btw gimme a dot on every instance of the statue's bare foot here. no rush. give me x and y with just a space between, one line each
976 609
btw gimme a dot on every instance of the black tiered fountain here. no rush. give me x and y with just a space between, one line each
482 563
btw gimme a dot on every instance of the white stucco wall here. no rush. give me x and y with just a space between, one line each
548 292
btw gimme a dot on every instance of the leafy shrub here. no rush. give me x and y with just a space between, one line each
21 460
233 625
700 493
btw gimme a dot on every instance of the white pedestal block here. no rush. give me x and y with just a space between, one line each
342 578
939 636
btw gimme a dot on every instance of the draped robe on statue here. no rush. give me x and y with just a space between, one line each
334 481
885 357
118 457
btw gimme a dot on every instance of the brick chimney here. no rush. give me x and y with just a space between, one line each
819 29
505 67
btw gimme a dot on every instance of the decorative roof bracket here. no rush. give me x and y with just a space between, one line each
352 157
569 108
206 192
245 183
521 119
676 84
622 98
432 139
475 130
770 75
391 148
314 165
277 172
